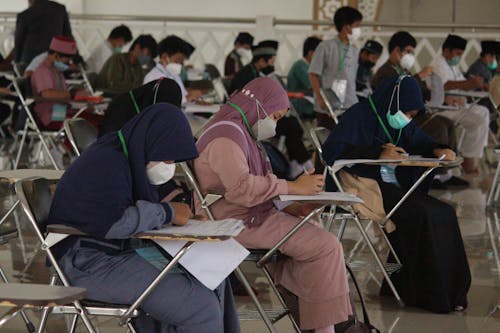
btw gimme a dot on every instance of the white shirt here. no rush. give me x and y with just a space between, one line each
160 71
99 56
37 61
441 68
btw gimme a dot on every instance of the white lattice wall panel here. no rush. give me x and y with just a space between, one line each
213 41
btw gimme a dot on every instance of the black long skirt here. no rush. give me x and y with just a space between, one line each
435 274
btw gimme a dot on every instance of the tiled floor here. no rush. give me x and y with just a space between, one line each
481 233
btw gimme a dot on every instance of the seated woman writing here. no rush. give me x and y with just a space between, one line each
110 193
435 273
233 161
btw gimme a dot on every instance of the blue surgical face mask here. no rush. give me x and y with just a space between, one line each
493 65
454 61
143 59
60 66
117 49
398 120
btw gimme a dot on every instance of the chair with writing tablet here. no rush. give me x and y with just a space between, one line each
35 198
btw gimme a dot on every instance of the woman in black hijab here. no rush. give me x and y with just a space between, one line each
125 106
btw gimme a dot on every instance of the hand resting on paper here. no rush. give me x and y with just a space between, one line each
306 185
182 213
392 152
449 154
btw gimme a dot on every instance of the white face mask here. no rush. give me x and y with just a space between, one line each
356 33
407 61
160 173
263 128
174 68
245 54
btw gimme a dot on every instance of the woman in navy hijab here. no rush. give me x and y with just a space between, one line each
111 193
435 273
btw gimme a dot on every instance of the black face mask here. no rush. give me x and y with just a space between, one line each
267 70
368 64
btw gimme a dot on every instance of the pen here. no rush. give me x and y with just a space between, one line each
442 157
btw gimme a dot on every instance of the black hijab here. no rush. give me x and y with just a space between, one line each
122 108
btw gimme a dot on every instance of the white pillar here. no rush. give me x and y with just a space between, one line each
264 27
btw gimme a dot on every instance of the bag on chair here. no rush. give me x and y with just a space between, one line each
354 325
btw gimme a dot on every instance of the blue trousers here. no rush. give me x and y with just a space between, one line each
179 303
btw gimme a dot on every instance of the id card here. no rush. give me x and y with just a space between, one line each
339 87
59 112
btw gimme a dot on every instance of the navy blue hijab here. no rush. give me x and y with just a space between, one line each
97 188
360 127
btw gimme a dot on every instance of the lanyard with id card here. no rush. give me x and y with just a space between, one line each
59 111
339 86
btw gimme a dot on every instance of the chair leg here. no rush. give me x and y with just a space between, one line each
377 259
21 145
74 322
27 322
494 185
340 234
131 327
280 298
46 310
252 295
21 238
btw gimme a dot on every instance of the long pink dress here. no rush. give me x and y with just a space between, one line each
314 271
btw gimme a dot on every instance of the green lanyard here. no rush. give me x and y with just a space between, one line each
342 56
124 146
398 70
137 110
254 71
389 136
237 108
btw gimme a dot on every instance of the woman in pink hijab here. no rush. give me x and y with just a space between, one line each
233 161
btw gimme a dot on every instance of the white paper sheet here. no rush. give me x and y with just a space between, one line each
192 108
227 227
323 196
209 262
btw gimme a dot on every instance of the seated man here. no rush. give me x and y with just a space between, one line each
335 64
298 78
475 119
125 71
49 86
240 56
117 38
173 51
368 57
263 58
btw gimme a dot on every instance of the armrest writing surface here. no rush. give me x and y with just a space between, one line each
27 294
64 229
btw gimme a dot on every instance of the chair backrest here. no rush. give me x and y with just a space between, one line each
212 71
205 201
35 197
318 136
81 134
437 90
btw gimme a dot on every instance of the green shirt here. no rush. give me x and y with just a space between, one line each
298 81
119 75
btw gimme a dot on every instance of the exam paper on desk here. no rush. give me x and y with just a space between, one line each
209 262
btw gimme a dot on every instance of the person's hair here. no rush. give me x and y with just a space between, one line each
171 45
266 57
244 38
345 16
401 39
121 31
310 44
145 42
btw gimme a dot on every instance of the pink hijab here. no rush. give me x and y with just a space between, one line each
228 123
